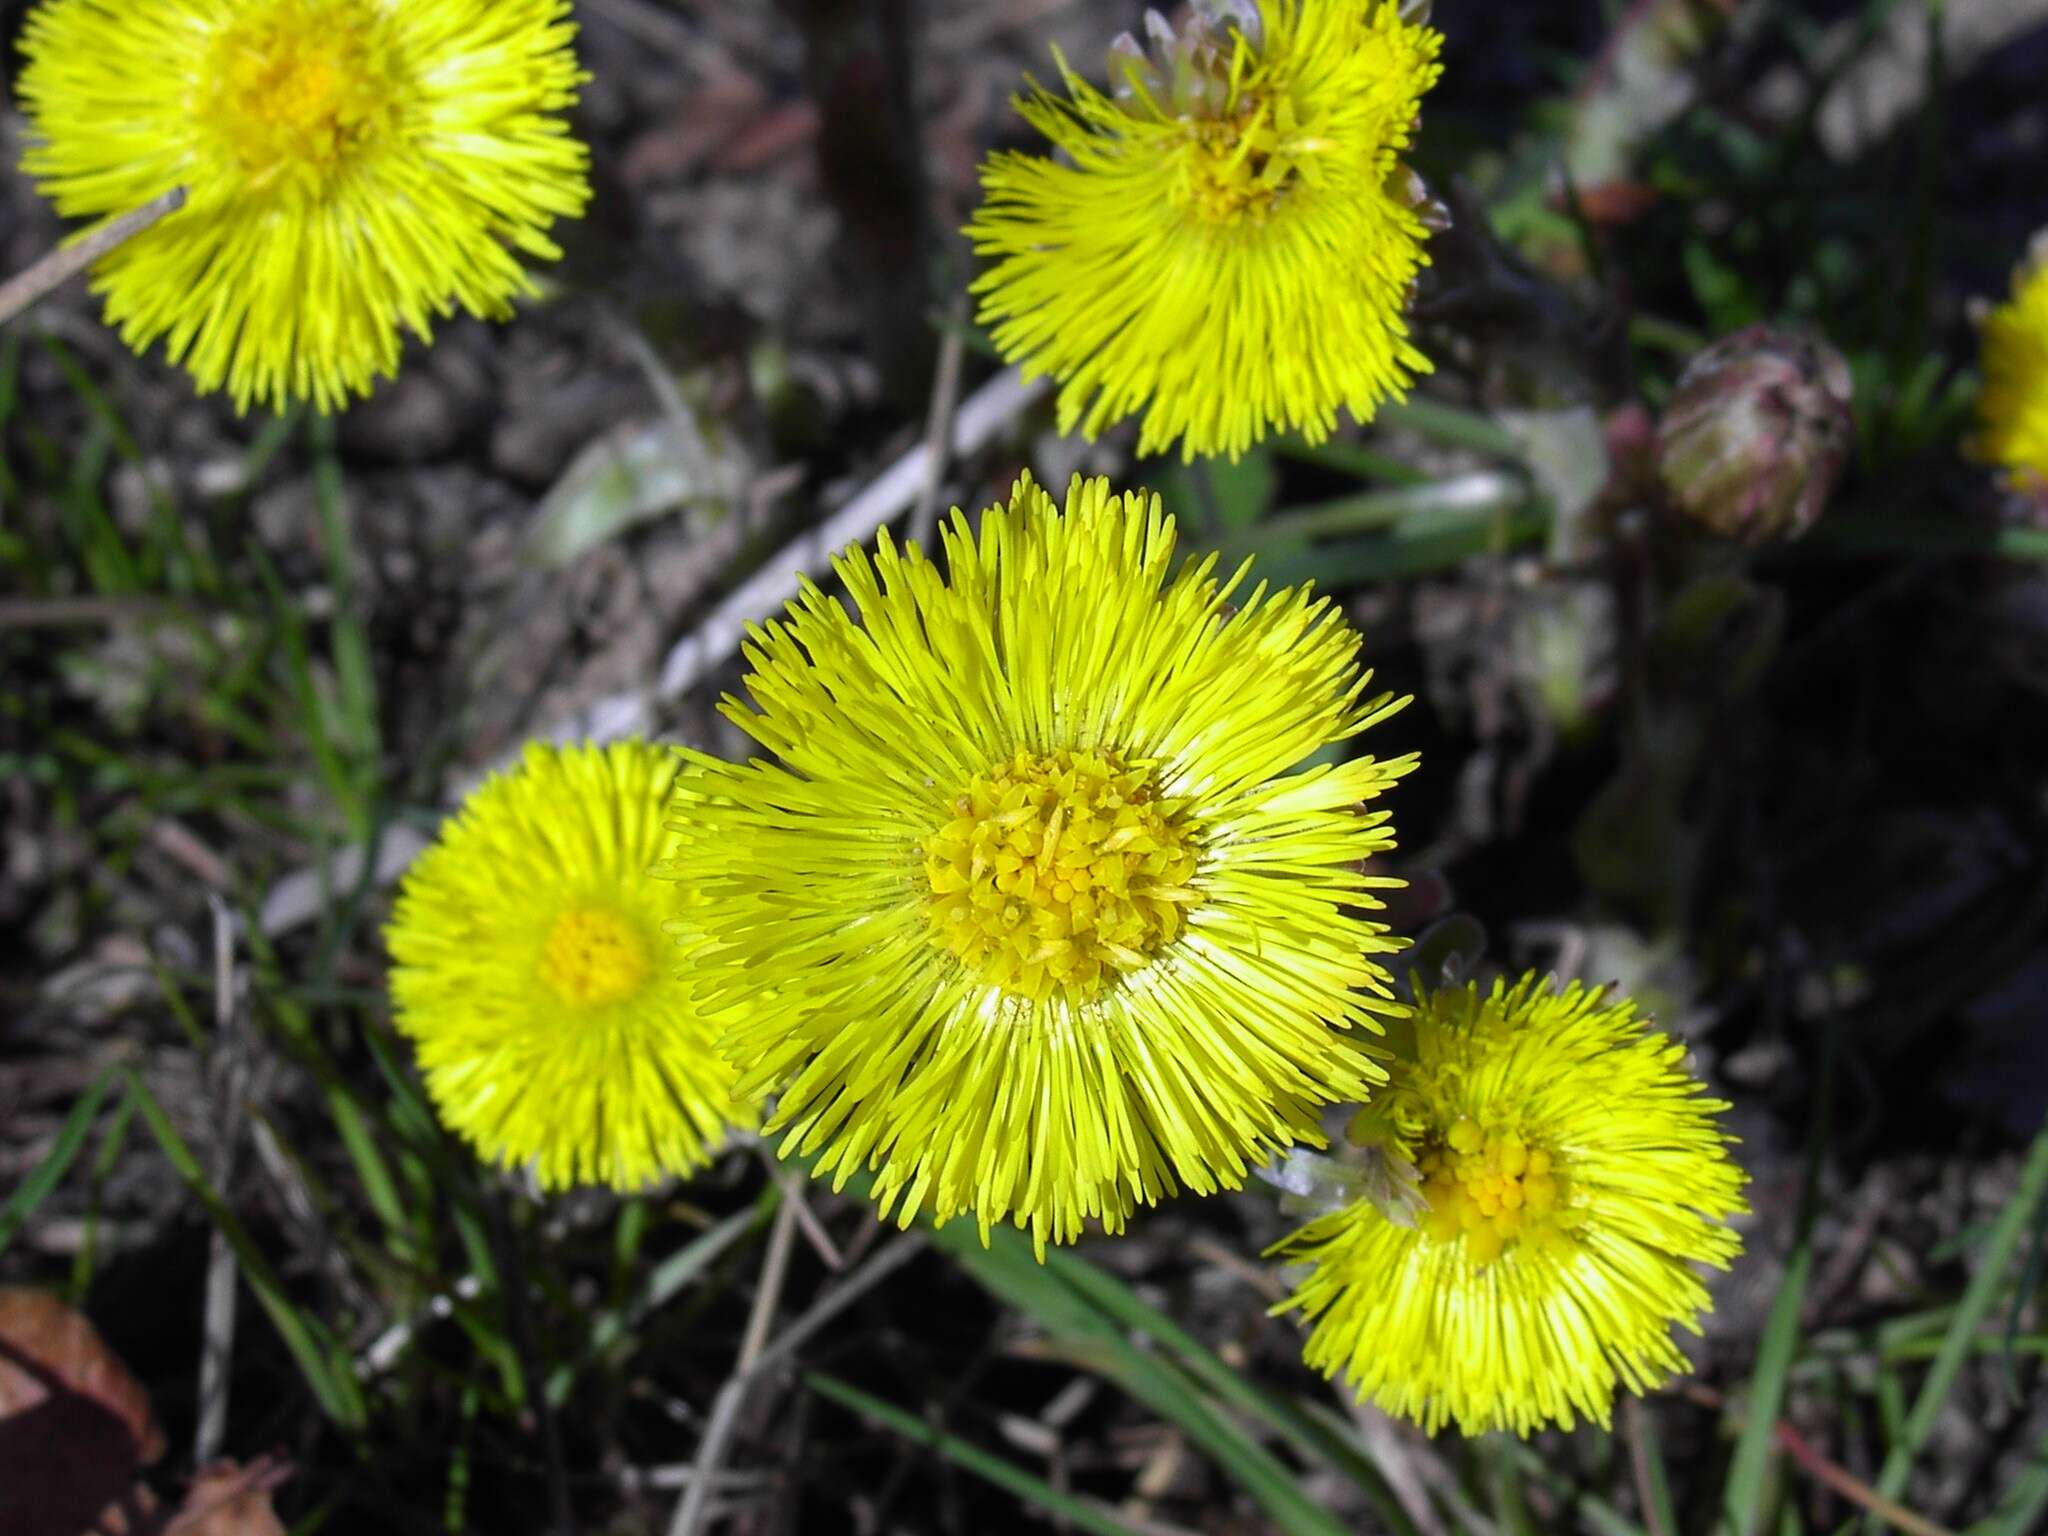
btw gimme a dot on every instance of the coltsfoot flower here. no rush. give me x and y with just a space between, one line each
1040 915
354 168
1572 1175
2012 411
1230 239
536 969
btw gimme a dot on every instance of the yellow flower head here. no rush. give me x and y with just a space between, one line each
353 167
533 973
1230 240
1040 914
1573 1174
2012 411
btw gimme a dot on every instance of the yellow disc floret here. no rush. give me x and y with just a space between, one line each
302 89
1044 899
1224 243
1491 1188
1573 1175
2012 411
542 973
353 170
1058 871
592 957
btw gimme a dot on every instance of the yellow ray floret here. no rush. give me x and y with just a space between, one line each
1573 1175
535 967
355 168
1228 239
1038 914
2012 411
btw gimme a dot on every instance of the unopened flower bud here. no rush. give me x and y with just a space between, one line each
1757 433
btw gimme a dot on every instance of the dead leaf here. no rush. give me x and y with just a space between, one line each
75 1425
228 1500
637 471
50 1349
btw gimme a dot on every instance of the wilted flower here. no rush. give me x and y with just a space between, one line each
1040 915
1229 238
2012 412
1573 1174
353 167
535 967
1757 433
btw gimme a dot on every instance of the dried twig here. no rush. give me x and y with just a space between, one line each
653 27
774 1271
297 898
1408 1472
938 426
806 1219
217 1329
1821 1470
67 261
725 1410
979 418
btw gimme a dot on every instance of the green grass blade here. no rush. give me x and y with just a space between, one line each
971 1458
1648 1452
1749 1486
354 675
1748 1480
306 1337
113 1141
1309 1436
1504 1484
1091 1338
1452 425
49 1173
1414 510
1351 459
1595 1513
2021 1511
1416 548
1969 1317
667 1281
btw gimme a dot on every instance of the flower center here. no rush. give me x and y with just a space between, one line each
1489 1187
1239 167
1057 872
594 956
298 87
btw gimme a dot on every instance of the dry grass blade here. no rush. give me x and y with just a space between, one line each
26 288
718 1433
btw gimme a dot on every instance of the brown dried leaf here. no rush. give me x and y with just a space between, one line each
227 1500
75 1426
48 1349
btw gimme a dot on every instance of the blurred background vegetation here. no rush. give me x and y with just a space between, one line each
1791 794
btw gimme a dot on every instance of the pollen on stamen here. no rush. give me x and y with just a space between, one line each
299 92
592 957
1058 872
1490 1187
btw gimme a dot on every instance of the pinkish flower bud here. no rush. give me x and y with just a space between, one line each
1757 434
